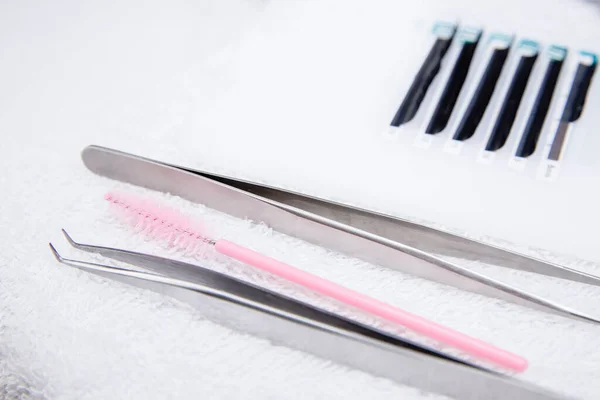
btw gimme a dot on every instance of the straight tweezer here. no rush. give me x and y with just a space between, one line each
282 320
373 237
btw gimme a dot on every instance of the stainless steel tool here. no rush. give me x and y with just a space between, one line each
380 239
282 320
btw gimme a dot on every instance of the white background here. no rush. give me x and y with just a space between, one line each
283 92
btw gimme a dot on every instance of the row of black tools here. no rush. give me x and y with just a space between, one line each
528 53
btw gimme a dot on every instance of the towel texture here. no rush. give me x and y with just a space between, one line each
172 82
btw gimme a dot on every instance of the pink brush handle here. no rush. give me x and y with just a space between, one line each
421 325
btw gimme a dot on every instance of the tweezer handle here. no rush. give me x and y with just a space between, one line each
411 321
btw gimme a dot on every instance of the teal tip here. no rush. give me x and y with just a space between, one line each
469 34
592 56
556 52
531 47
444 29
501 36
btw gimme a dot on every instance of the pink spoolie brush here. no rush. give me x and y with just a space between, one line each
187 235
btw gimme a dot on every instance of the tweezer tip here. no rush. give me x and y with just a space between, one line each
55 252
69 238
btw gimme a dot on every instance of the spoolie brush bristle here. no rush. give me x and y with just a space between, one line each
159 222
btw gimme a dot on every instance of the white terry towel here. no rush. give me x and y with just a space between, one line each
158 80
